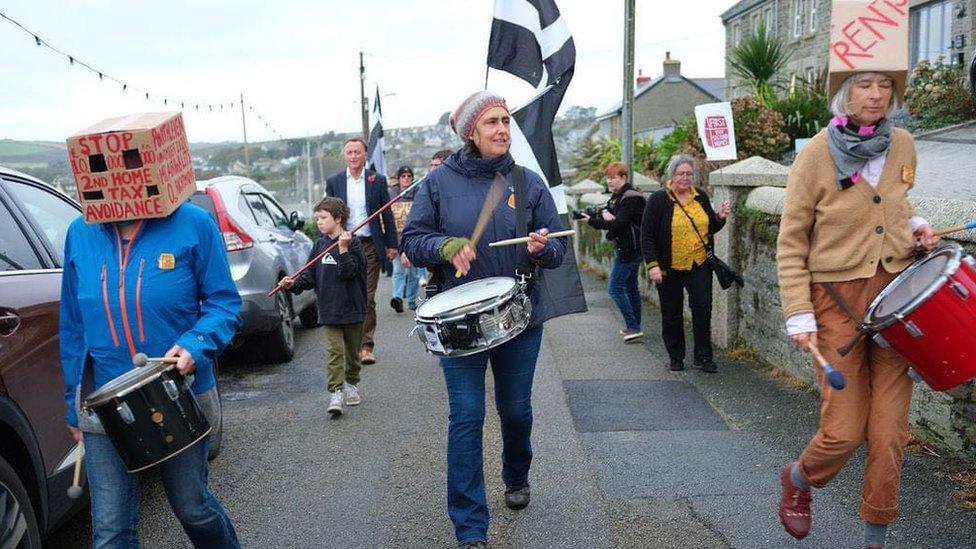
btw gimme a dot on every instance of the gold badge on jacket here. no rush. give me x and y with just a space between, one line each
908 174
511 201
167 262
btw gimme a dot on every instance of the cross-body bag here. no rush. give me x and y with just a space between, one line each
725 275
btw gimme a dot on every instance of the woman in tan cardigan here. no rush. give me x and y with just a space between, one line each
847 230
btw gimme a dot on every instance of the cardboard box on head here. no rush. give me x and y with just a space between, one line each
133 167
868 36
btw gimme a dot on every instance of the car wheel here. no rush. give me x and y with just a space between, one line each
279 345
18 524
310 316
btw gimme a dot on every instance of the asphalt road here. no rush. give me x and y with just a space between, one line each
627 454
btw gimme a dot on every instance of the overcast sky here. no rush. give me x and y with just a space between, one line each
296 61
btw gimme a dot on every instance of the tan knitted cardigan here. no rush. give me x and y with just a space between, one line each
830 235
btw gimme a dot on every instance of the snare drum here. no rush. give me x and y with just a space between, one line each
149 414
473 317
928 314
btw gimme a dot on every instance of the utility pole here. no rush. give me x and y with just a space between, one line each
308 166
627 110
247 156
362 97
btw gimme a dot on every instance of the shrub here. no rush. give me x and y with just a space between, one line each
937 96
804 108
759 61
758 130
593 155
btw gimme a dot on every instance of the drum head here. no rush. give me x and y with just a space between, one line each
125 382
916 284
468 297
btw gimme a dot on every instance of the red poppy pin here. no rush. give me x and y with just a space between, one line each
370 179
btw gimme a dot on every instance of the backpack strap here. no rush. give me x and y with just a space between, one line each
524 269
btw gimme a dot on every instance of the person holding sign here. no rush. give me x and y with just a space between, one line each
847 230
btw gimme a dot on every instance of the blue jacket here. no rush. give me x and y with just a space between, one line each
170 286
382 228
448 204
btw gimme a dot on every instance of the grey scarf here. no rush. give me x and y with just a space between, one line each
851 146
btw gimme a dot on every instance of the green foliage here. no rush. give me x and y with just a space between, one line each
937 94
593 155
758 130
758 61
684 139
804 108
311 230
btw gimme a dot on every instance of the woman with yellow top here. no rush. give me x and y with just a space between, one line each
678 222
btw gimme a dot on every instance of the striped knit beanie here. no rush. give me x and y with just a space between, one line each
466 115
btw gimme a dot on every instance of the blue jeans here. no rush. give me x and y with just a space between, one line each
623 290
513 367
406 281
115 497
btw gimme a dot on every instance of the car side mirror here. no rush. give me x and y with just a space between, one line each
296 221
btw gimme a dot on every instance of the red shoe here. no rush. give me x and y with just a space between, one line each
794 506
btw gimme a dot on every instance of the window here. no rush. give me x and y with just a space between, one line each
811 74
756 18
261 214
52 214
277 214
798 9
813 15
736 34
930 27
770 23
16 252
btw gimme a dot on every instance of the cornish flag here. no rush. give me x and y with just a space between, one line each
530 40
377 162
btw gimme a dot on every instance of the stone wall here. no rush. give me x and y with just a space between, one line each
751 317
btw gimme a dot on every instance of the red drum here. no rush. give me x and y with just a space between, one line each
928 314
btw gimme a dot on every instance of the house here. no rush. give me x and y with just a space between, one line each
936 27
658 103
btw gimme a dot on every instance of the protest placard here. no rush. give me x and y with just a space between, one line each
133 167
716 130
868 36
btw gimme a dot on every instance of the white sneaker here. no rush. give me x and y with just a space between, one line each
351 392
335 403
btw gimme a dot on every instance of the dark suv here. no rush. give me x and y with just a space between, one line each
37 454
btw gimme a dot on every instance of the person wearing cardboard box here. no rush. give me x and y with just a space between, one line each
847 230
157 283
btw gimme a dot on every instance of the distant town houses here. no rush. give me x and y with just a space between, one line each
659 102
936 28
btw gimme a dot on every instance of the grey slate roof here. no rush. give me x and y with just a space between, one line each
714 87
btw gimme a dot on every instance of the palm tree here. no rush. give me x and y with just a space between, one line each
758 60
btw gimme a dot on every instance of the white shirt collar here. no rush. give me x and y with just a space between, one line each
362 174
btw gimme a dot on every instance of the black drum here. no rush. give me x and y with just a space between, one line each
149 414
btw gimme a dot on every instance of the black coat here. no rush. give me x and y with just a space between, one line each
339 281
383 232
624 231
656 226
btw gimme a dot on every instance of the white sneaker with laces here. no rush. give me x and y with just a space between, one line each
335 403
351 392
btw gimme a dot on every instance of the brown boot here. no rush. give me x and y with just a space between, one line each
366 356
794 506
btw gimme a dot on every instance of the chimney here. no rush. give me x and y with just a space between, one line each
672 68
641 79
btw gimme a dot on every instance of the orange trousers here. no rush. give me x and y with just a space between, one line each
871 410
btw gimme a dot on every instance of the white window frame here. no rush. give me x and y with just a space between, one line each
736 33
813 15
770 23
798 9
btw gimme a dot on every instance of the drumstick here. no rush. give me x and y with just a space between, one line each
835 378
140 359
524 239
74 491
956 228
362 224
491 202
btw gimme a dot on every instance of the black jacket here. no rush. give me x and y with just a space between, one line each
339 281
656 226
627 206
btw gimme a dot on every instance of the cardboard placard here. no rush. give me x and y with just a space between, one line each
133 167
868 36
717 131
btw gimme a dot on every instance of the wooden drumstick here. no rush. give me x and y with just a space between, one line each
74 491
140 359
955 228
524 239
835 378
491 202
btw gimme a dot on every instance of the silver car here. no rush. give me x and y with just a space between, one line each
263 245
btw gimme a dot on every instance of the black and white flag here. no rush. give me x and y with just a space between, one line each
377 162
530 40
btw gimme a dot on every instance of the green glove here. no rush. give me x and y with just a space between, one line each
451 246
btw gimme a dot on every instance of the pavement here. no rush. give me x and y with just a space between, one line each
947 164
627 454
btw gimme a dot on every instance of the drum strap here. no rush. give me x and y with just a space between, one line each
861 330
523 265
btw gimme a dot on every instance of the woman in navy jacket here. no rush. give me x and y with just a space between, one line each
444 213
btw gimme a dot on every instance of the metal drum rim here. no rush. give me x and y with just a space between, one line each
492 303
110 392
955 259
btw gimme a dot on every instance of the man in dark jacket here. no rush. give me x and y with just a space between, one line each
622 220
364 192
